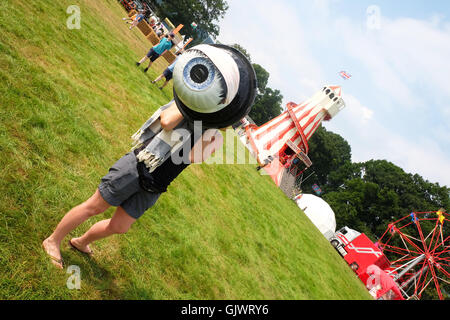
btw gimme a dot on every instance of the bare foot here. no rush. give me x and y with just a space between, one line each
78 245
52 249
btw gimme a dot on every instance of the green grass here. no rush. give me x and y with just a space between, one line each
69 102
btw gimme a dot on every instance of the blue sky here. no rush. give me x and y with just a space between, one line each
398 52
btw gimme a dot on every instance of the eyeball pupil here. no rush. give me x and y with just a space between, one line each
199 73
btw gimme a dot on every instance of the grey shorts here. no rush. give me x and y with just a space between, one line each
152 55
120 187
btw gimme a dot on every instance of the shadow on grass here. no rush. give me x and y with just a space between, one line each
96 274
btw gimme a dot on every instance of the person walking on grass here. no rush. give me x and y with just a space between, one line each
166 43
167 73
134 20
165 145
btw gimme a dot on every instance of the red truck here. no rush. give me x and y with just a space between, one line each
368 262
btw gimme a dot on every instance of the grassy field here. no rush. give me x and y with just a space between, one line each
69 102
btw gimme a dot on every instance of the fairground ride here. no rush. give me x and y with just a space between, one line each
419 250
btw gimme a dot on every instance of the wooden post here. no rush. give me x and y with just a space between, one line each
169 56
186 44
153 38
177 29
144 27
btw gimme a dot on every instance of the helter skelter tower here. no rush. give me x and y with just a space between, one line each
281 145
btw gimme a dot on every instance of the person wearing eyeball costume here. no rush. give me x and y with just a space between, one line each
214 87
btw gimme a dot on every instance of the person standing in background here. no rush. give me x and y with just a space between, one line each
168 72
155 52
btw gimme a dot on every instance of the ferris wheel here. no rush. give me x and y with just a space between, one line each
418 247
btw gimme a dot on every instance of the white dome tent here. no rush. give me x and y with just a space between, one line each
319 212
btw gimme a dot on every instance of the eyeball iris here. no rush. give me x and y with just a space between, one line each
199 73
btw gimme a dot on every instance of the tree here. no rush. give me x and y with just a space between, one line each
268 101
328 151
242 50
267 106
205 13
263 77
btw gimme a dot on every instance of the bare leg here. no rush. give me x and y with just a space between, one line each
118 224
134 24
164 84
150 62
76 216
157 79
143 59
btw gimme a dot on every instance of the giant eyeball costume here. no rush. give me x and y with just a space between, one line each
215 84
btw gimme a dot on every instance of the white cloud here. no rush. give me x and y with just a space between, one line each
365 47
421 54
407 61
424 157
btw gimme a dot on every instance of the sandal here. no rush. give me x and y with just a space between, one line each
73 247
59 261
